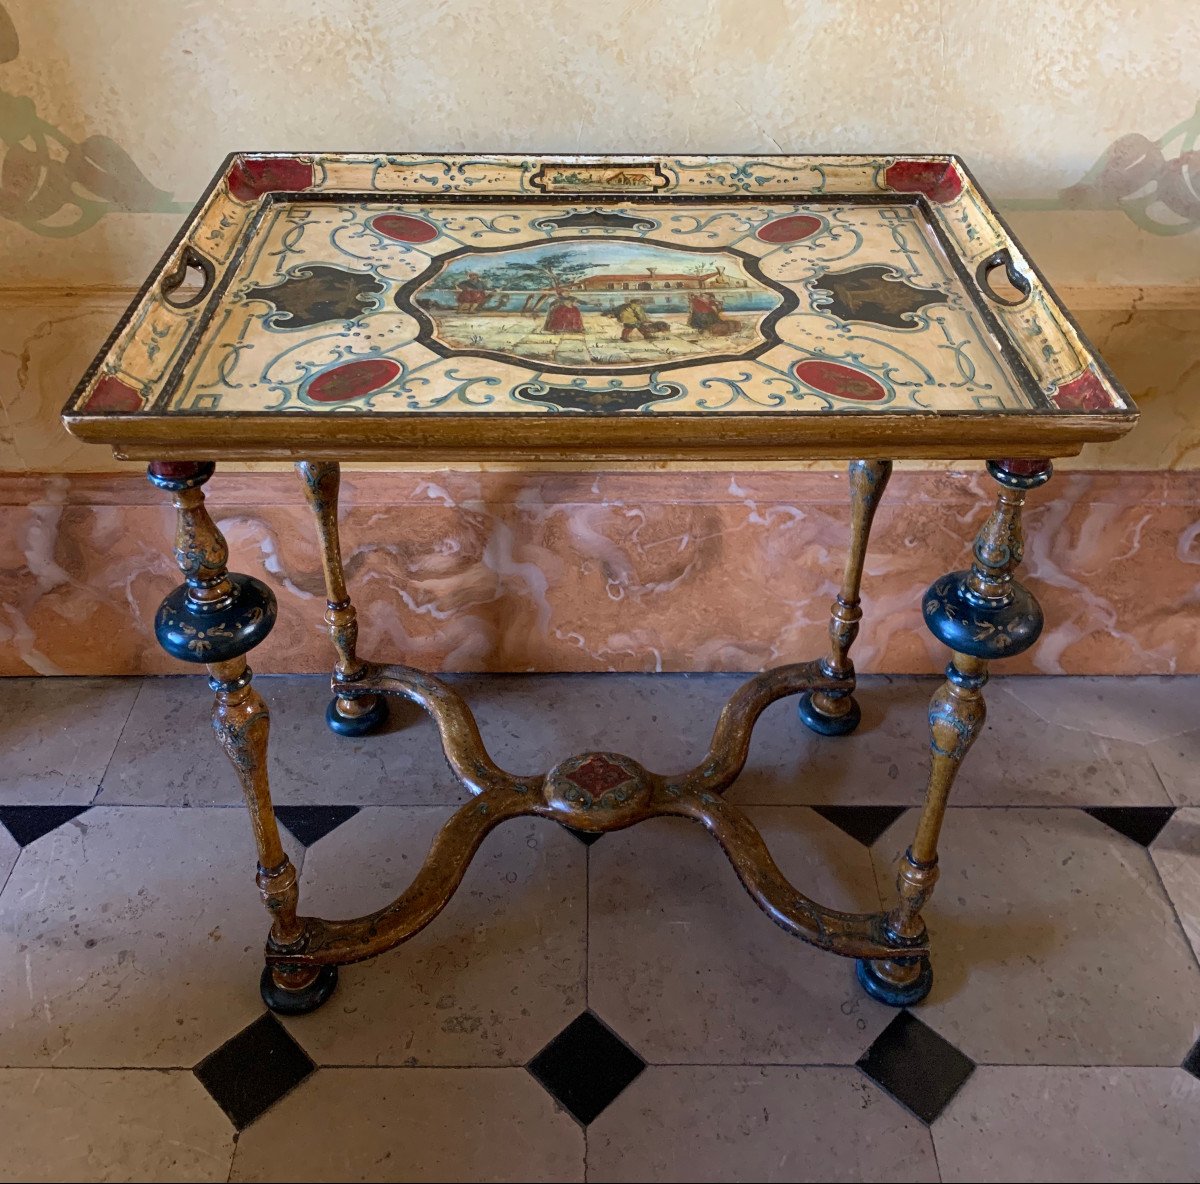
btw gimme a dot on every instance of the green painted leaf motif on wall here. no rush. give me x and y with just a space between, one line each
56 186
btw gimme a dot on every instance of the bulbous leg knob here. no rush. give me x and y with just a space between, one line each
880 981
301 1000
824 723
361 723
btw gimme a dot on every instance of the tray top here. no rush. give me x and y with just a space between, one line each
794 306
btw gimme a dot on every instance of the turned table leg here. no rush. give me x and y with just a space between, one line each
216 617
347 716
981 614
836 713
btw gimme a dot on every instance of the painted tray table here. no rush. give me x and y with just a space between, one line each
607 311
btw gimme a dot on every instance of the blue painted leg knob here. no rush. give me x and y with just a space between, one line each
363 724
894 994
828 725
284 1001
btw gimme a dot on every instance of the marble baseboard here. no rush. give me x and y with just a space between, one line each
575 571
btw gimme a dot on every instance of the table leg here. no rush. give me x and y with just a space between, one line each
216 617
981 614
364 713
836 713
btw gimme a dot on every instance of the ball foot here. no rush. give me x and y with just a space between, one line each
894 994
828 725
285 1002
369 721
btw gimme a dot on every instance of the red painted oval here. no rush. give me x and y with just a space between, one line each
403 228
790 229
352 380
843 381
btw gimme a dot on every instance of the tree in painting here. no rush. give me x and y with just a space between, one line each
558 271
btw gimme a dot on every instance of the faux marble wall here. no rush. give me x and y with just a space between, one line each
575 571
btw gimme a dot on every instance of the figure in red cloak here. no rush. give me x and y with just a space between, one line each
705 311
565 316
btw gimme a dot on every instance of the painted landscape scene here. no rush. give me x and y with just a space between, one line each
597 303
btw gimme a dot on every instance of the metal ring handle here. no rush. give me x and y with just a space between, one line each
189 258
1018 279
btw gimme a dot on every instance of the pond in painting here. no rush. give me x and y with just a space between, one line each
599 304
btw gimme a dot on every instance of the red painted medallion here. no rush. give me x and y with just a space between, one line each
352 380
404 228
597 775
939 180
790 229
111 394
845 382
252 176
1085 393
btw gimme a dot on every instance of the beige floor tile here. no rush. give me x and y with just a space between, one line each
1019 759
1139 710
1176 854
168 755
413 1124
1058 1124
1053 943
57 735
665 721
8 856
701 1123
882 763
130 937
495 977
686 969
1177 761
102 1124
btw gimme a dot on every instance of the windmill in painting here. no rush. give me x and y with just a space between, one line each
597 303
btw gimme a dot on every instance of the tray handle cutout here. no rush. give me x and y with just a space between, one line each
1000 278
192 269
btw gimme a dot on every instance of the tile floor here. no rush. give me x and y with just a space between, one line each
613 1010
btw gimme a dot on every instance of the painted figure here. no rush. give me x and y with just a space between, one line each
704 311
472 293
633 318
564 316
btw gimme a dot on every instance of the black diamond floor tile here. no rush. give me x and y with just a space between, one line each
310 823
1139 823
587 838
920 1069
1192 1061
252 1071
864 823
26 824
585 1067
